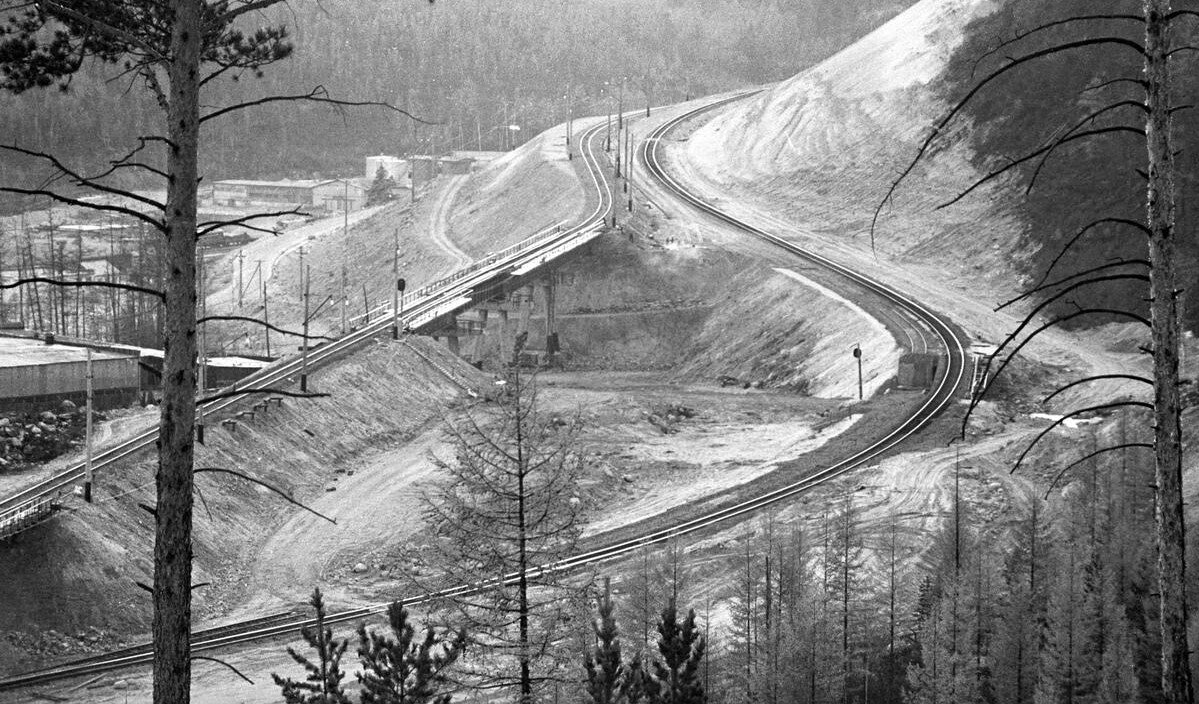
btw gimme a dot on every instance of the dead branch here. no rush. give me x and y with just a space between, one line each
267 390
1089 118
1097 377
939 128
992 376
209 226
104 207
80 179
1042 151
317 95
259 482
263 323
1102 221
81 284
1079 461
1071 414
1059 282
222 662
1136 81
1020 36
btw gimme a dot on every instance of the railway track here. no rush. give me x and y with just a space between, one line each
947 387
419 307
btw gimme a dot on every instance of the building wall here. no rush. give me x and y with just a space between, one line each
114 381
330 196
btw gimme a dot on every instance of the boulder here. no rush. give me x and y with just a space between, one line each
360 568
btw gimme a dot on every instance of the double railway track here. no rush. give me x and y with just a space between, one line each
948 385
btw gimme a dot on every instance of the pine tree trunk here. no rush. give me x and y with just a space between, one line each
1167 440
173 521
526 676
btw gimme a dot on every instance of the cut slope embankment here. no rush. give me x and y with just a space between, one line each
811 158
520 193
79 571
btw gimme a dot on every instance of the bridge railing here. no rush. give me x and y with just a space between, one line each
408 299
36 509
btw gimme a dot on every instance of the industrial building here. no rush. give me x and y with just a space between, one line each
35 375
331 195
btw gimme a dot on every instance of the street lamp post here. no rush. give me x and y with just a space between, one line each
857 354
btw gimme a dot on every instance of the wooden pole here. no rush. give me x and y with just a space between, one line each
266 317
88 476
304 349
398 288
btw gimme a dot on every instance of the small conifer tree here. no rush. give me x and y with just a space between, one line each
405 670
606 674
323 684
380 189
676 676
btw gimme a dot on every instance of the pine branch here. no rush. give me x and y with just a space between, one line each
104 28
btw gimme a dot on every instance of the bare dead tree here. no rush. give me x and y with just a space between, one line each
508 507
174 48
1155 111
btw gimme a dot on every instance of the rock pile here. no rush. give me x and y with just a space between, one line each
664 418
29 438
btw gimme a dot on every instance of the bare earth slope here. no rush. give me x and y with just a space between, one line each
811 158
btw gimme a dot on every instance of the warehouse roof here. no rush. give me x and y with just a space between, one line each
26 352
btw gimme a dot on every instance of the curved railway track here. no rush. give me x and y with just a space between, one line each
418 307
948 385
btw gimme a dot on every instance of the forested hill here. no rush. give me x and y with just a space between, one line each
1088 179
474 65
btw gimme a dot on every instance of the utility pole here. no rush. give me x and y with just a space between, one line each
628 181
397 294
88 476
266 317
345 236
620 107
307 276
241 258
300 270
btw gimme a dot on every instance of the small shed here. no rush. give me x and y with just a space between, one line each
918 370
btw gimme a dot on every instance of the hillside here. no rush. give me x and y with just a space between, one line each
469 68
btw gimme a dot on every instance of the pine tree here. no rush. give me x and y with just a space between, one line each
380 189
606 674
404 670
676 678
323 684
